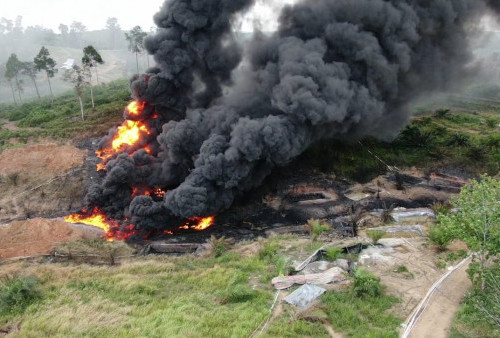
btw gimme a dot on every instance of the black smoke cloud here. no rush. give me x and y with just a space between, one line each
340 69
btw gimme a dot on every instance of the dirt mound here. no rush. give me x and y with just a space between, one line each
41 180
38 236
43 159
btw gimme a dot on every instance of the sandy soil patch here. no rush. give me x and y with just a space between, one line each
38 236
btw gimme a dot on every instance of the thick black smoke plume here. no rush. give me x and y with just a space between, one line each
335 69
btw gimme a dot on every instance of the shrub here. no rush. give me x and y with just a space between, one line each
332 253
316 228
269 251
441 207
414 136
458 140
441 113
219 245
375 235
366 283
440 236
282 265
16 294
491 123
401 269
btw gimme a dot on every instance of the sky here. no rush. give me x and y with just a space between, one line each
94 13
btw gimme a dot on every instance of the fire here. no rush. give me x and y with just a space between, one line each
204 223
198 223
135 108
128 134
116 232
95 218
144 191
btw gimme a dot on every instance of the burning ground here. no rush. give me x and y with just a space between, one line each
195 140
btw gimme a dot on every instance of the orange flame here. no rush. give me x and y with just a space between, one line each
128 134
95 218
135 108
143 191
198 223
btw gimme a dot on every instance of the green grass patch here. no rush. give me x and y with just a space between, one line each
17 294
61 119
479 315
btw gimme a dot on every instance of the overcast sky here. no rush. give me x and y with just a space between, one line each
94 13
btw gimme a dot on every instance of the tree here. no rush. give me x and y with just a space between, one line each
6 26
12 70
91 58
64 29
477 221
135 40
113 27
18 28
29 69
43 61
76 77
75 30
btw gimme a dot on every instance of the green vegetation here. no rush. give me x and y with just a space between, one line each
476 221
479 315
447 137
16 294
333 253
375 235
59 120
366 284
219 245
401 269
228 295
316 228
361 311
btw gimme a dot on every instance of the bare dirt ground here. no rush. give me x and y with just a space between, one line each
37 236
40 179
437 318
409 286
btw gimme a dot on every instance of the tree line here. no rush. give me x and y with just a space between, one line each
75 34
80 76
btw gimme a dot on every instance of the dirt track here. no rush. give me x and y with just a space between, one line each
437 318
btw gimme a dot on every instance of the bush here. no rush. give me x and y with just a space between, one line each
333 253
366 284
458 140
269 251
219 245
375 235
414 136
440 236
16 294
441 113
316 228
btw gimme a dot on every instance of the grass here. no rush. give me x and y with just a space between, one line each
17 294
225 296
451 138
61 119
472 319
316 228
347 312
375 235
